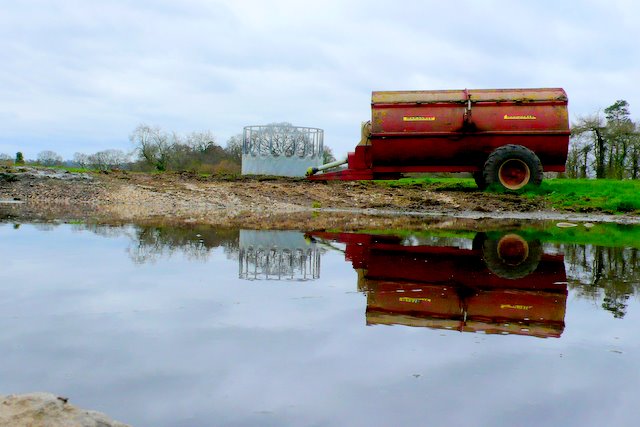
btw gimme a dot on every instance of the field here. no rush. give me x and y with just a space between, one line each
572 195
271 202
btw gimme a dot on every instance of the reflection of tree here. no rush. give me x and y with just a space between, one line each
598 272
195 243
149 244
108 231
45 226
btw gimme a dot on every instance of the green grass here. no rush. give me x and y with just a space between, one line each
77 170
76 222
436 184
586 195
603 234
63 168
575 195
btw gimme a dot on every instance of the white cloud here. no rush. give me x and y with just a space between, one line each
80 75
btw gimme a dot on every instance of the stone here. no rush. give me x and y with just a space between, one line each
49 410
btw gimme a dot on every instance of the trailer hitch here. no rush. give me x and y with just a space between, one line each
313 171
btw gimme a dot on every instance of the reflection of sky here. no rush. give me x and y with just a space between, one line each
179 342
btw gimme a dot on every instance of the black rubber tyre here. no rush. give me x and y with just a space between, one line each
512 167
511 256
479 179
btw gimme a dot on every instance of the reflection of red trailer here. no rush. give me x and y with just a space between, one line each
489 288
502 136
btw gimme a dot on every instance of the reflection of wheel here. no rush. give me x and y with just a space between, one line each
512 167
511 256
478 241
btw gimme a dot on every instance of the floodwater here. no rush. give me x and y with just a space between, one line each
204 327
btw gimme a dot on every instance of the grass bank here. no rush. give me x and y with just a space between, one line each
588 195
574 195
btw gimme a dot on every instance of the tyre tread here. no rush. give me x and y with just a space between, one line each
511 151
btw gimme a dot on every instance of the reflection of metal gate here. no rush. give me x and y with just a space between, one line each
277 255
281 149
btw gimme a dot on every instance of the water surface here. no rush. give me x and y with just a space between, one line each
177 327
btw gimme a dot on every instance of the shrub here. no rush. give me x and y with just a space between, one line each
226 167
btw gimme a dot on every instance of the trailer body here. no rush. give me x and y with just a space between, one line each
458 131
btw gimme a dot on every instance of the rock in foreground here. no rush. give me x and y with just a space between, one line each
46 409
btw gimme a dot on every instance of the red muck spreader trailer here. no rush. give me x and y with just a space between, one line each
502 136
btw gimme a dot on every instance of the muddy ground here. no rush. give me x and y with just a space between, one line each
174 198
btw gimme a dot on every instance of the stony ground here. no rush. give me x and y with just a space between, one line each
48 410
252 203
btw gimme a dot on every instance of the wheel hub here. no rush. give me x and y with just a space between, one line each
513 249
514 174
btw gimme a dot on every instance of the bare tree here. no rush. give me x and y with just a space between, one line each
118 158
327 155
108 159
234 148
200 141
595 126
579 159
81 159
193 150
49 158
153 145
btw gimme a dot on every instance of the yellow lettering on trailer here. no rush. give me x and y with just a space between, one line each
515 307
419 118
525 117
414 300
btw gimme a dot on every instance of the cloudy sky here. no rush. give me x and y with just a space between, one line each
78 76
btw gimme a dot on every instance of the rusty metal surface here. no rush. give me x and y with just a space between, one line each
461 96
421 96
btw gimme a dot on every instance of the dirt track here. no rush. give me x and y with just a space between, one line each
251 203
